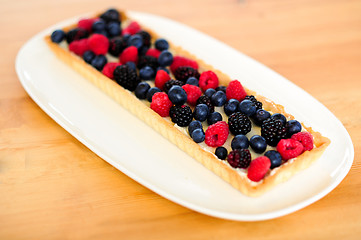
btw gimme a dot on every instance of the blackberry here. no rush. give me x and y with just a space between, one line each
76 34
206 100
170 84
239 158
148 61
126 77
116 46
254 100
239 123
111 15
183 73
181 115
146 38
273 131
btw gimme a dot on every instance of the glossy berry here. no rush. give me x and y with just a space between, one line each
183 73
161 44
260 116
247 107
161 104
99 26
258 143
76 34
111 15
240 142
181 115
99 62
208 79
153 52
273 131
113 29
293 126
221 153
239 158
193 93
130 54
99 44
146 73
161 78
165 58
88 56
219 99
57 36
209 92
239 123
217 134
206 100
258 168
305 138
231 106
214 117
235 90
151 92
135 40
79 47
179 61
192 81
177 95
132 28
221 88
275 157
201 112
131 65
289 148
146 39
280 117
126 77
86 23
141 90
163 68
194 125
116 46
198 135
109 68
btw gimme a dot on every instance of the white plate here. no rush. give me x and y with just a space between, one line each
141 153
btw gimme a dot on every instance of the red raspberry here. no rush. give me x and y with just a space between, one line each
208 79
235 90
132 28
79 47
193 93
305 138
161 78
109 68
153 52
99 44
258 168
130 54
161 104
86 23
217 134
179 61
289 148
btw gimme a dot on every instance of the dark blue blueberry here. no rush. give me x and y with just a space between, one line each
260 116
161 44
131 65
214 117
221 88
247 107
201 112
163 68
57 36
113 29
146 73
193 81
111 15
177 95
194 125
151 92
221 152
280 117
142 50
293 126
275 157
258 143
209 92
88 56
104 32
165 58
99 62
135 40
198 135
99 26
141 90
126 38
219 99
231 106
240 142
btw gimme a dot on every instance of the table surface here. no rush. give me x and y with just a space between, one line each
53 187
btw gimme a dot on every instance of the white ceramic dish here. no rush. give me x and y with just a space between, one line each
141 153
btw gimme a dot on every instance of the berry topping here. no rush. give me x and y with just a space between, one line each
193 93
76 34
116 46
239 158
209 92
293 126
109 68
273 131
260 116
88 56
179 61
79 47
146 38
132 28
161 78
289 148
131 65
57 36
247 107
113 29
165 58
148 61
99 44
275 157
99 26
198 135
153 52
111 15
240 142
181 115
219 98
201 112
305 138
231 106
235 90
161 104
99 62
141 90
168 85
258 168
161 44
217 134
193 126
130 54
208 79
135 40
192 81
214 117
126 77
183 73
221 153
86 23
254 100
258 143
146 73
177 95
206 100
280 117
239 123
151 92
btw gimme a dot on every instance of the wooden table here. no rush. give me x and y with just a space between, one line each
53 187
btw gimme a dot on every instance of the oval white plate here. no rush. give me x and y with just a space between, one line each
141 153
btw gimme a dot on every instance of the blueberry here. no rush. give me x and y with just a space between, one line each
151 92
221 88
177 95
88 56
219 99
103 32
240 142
209 92
135 40
198 135
231 106
275 157
131 65
57 36
260 116
146 73
165 58
161 44
293 126
279 116
141 90
111 15
99 62
214 117
258 143
221 152
113 29
142 50
247 107
201 112
163 68
193 126
126 37
99 26
193 81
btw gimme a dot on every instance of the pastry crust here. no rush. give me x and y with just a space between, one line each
129 101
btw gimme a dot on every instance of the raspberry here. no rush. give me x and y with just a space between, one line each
79 47
126 77
239 123
161 78
132 28
109 68
99 44
258 168
305 138
239 158
208 79
206 100
161 104
193 93
235 90
168 85
217 134
86 23
273 131
289 148
130 54
183 73
181 115
179 61
153 52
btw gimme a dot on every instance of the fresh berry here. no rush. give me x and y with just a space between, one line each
164 69
206 100
168 85
209 92
141 90
183 73
142 50
132 28
181 115
254 100
165 58
109 68
126 77
217 134
193 93
219 99
293 127
146 73
161 78
289 148
194 125
148 61
260 116
208 79
153 52
135 40
221 88
146 38
151 92
79 47
280 117
130 54
131 65
88 56
240 142
231 106
201 112
161 44
192 81
177 95
221 153
111 15
235 90
258 143
214 117
275 157
198 135
273 131
113 29
239 158
57 36
239 123
258 168
76 34
305 138
99 26
86 23
99 44
116 46
179 61
247 107
99 62
161 104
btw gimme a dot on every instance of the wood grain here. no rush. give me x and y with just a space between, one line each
53 187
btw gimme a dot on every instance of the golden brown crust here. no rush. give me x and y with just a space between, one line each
184 142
